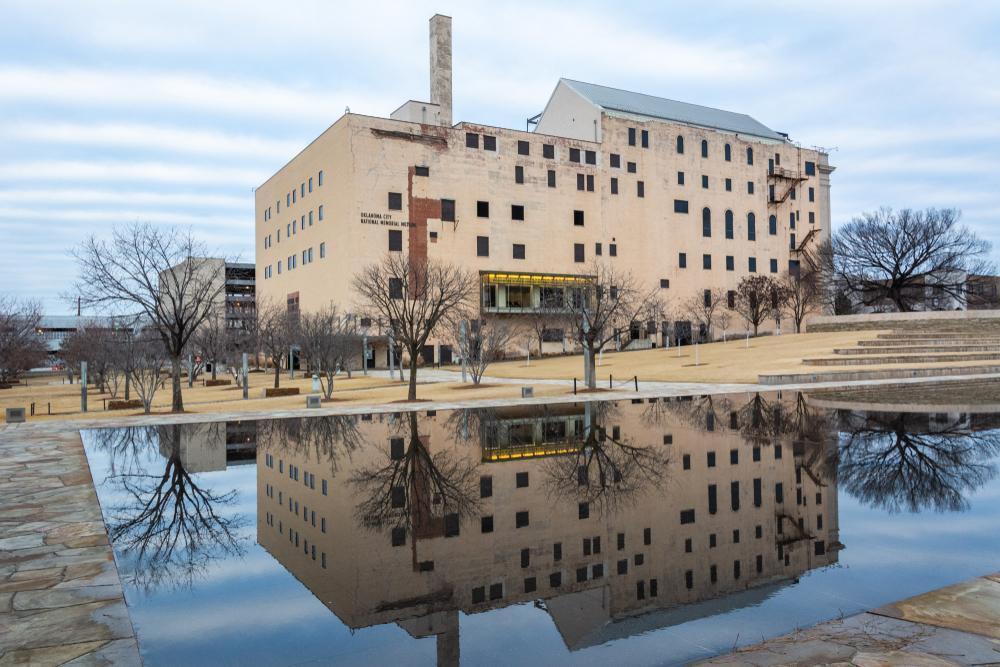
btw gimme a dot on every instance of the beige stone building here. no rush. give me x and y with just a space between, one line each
686 198
621 517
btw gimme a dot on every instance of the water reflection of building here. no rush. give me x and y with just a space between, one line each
211 446
674 510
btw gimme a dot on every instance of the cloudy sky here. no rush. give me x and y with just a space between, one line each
112 112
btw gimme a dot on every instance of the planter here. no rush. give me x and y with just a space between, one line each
271 392
124 405
217 383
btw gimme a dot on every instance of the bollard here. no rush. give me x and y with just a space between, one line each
574 386
32 409
609 382
246 378
50 408
636 378
83 386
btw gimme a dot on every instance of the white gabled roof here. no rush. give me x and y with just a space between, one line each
614 99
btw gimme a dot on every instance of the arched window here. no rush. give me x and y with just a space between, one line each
772 225
704 147
749 155
729 224
680 144
706 222
751 227
729 153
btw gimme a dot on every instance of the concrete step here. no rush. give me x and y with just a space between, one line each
936 335
915 349
871 360
894 342
882 374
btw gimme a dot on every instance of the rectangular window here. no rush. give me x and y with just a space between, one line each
597 249
704 182
448 210
581 182
752 264
578 253
749 187
774 265
395 288
322 250
574 155
730 263
706 261
682 260
680 178
519 174
613 249
482 246
518 251
548 151
552 178
645 138
319 213
395 201
482 209
729 185
578 218
630 167
810 168
590 157
517 212
523 148
631 136
812 217
687 516
664 283
772 225
489 142
640 188
421 171
471 140
319 178
614 186
590 182
616 161
485 486
680 206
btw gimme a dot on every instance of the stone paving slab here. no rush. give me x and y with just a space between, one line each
956 625
61 599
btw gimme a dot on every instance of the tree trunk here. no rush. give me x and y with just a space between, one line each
756 326
411 393
214 364
177 400
277 373
591 369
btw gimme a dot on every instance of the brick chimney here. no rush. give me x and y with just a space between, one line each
441 66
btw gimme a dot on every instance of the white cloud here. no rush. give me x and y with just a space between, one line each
128 171
161 138
44 197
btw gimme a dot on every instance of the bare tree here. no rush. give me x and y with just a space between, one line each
757 297
895 256
214 341
724 318
480 342
704 309
607 308
158 273
326 339
802 296
552 313
21 348
276 332
145 361
414 297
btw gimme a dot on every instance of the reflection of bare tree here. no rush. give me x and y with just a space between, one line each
892 461
323 439
168 526
425 494
605 470
763 421
705 413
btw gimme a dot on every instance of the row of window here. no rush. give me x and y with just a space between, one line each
293 195
292 261
292 228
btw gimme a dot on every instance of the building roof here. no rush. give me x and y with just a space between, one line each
615 99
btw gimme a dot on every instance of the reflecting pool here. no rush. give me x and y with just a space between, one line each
651 531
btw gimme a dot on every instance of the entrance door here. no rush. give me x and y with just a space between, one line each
427 354
445 354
